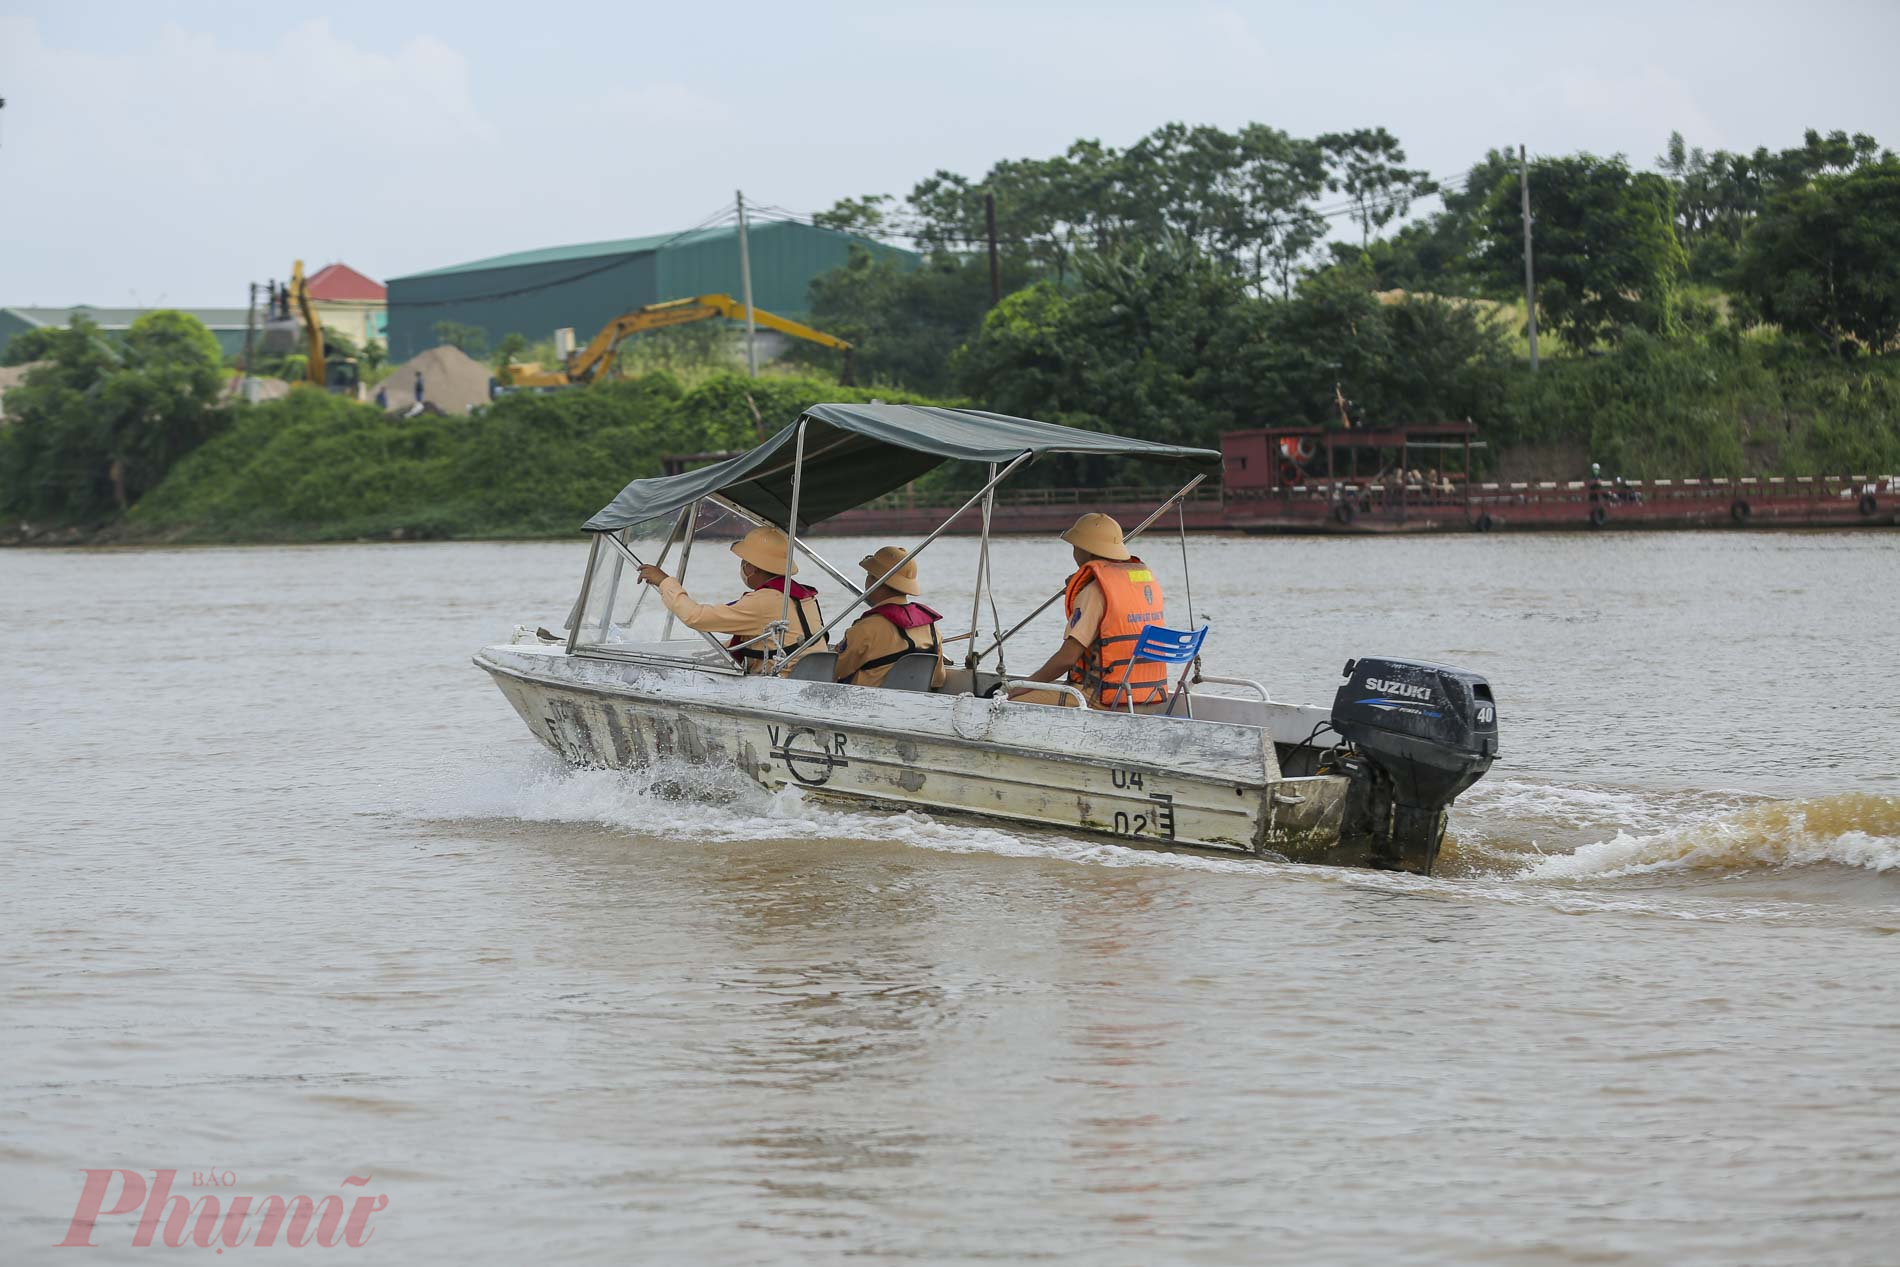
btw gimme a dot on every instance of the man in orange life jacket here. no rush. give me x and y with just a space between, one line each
895 626
1110 598
766 567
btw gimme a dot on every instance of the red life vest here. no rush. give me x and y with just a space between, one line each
907 616
1131 600
801 594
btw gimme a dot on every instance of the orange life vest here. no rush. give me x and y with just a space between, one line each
1131 599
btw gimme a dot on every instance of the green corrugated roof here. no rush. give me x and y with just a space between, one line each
579 252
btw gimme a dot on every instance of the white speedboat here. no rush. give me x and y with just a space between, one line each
1364 782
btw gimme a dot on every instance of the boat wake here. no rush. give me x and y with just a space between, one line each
1855 830
1494 852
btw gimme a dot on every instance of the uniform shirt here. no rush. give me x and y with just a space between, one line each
872 637
1086 621
748 616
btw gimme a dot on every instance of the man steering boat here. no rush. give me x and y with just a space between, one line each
766 568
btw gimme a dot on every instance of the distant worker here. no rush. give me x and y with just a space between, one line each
895 626
418 387
1111 597
766 568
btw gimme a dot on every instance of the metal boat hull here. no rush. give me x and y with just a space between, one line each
1151 780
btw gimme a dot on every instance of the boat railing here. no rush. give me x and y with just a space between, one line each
1007 685
1455 491
1249 683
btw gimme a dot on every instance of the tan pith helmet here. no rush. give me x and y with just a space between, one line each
767 549
1100 535
903 580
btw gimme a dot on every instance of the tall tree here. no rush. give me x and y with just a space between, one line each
1720 195
103 420
1244 198
905 323
1606 248
864 215
1141 342
1368 166
1444 253
1280 179
1824 260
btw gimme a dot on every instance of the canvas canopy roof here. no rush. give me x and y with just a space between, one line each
854 453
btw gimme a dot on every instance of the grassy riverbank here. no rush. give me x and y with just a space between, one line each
314 468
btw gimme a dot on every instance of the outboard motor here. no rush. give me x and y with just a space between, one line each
1422 733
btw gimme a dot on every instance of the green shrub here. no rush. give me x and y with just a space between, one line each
316 467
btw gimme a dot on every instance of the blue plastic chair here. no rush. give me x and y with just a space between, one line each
1168 646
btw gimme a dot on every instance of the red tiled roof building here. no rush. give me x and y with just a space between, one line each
338 283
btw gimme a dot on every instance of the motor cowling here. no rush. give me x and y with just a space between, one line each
1423 733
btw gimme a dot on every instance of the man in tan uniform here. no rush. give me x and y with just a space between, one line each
766 567
895 625
1103 625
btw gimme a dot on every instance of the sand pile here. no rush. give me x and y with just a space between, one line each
452 381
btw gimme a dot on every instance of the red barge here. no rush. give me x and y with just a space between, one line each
1370 481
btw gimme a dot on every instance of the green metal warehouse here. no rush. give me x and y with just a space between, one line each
534 293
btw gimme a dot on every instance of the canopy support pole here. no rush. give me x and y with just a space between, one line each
711 641
686 559
791 532
1187 577
1159 511
1187 583
982 571
955 515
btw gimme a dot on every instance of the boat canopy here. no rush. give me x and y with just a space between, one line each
855 453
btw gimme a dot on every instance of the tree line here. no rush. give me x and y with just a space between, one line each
1188 283
1721 313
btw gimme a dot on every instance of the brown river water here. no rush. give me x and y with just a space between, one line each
289 895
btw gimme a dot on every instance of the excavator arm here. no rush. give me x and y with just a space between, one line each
313 331
597 358
336 374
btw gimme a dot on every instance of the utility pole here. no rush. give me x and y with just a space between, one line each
745 282
1530 280
996 271
250 341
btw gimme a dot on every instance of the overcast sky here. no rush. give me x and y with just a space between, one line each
169 153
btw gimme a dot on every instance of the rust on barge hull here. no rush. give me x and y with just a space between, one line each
1366 482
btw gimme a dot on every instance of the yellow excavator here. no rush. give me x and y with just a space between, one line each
597 359
336 374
